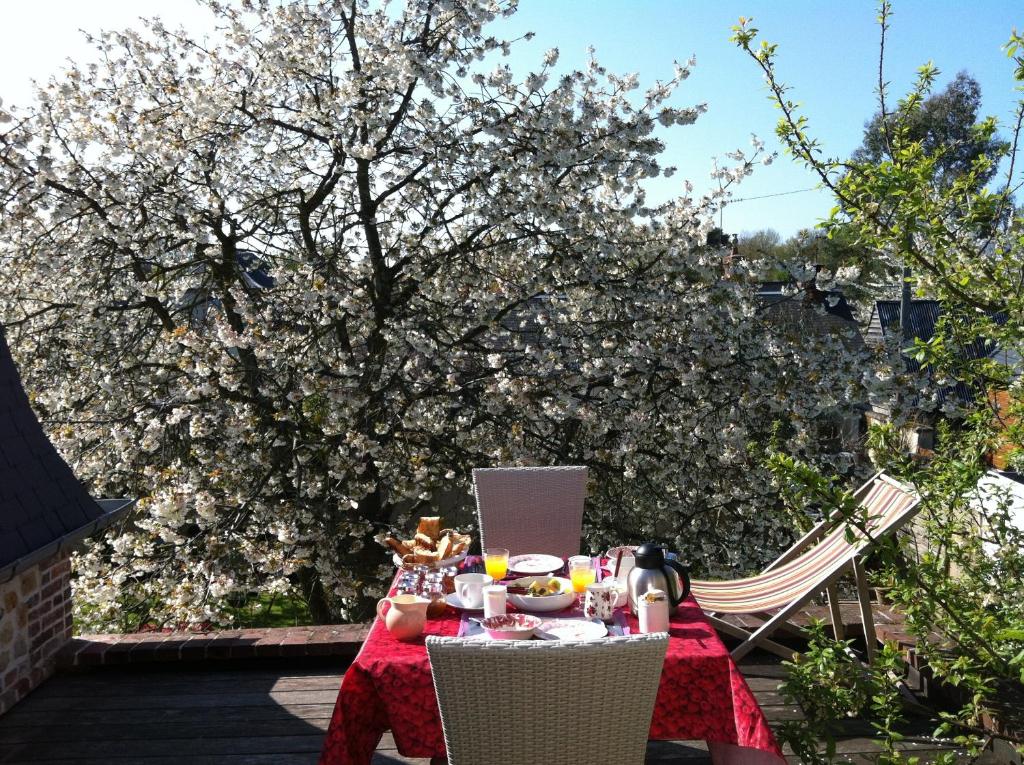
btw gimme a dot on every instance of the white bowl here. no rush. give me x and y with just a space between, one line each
510 626
626 549
543 603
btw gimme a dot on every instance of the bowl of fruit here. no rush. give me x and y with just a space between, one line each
541 593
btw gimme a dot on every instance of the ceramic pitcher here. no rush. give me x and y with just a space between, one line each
406 617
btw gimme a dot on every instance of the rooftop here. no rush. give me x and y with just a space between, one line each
43 506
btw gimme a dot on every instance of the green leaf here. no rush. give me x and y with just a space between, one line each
1010 634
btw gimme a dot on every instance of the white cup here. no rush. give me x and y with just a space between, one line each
628 564
495 600
470 589
653 614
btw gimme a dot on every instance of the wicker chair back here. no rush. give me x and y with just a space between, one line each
524 702
531 509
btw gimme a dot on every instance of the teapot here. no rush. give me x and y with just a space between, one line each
653 572
406 617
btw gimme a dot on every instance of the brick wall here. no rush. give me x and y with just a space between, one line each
35 623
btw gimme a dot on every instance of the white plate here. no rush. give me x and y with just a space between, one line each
452 599
534 563
440 564
535 604
571 629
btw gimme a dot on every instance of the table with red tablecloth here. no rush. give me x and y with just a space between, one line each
702 696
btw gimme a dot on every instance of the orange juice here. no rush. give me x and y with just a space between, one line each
496 566
581 577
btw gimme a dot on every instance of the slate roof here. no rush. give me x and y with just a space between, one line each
796 309
924 315
43 507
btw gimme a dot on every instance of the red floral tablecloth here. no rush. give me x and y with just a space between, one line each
702 695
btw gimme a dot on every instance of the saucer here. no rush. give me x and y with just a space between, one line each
453 600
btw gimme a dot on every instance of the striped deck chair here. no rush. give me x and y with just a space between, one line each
814 563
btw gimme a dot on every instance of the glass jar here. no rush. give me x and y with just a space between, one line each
409 583
433 590
448 579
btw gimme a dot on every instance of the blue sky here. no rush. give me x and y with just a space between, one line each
828 52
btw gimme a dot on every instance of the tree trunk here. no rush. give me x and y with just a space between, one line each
316 598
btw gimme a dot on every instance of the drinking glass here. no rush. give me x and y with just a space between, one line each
581 572
496 562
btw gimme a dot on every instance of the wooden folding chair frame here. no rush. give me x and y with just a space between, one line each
779 620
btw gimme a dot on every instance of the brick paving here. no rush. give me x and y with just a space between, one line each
342 640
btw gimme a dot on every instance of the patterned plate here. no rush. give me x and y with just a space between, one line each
534 563
571 629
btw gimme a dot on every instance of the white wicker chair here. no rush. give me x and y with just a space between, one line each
523 702
531 509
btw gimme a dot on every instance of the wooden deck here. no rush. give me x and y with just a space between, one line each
229 715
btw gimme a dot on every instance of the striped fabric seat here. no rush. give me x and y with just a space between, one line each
804 570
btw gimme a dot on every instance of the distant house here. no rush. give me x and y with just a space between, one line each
44 512
806 312
999 491
792 301
198 301
924 315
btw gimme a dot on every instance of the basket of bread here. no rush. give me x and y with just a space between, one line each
431 545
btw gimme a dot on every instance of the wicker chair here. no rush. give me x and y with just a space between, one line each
530 701
531 509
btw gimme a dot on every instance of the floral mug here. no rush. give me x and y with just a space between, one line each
599 602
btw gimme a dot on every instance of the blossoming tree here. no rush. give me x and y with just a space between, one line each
289 287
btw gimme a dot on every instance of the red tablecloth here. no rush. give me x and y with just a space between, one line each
702 695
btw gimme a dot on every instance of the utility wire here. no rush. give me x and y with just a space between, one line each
766 196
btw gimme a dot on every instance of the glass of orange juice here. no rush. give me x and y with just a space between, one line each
581 572
496 562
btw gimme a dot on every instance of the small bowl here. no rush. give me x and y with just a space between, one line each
511 626
614 551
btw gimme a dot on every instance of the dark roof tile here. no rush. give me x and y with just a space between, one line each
40 498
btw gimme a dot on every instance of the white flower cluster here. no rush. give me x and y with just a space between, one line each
291 288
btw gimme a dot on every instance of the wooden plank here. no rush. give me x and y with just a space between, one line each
157 700
173 672
866 745
758 684
197 727
297 758
186 750
763 670
770 699
184 685
683 752
782 713
394 758
23 714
